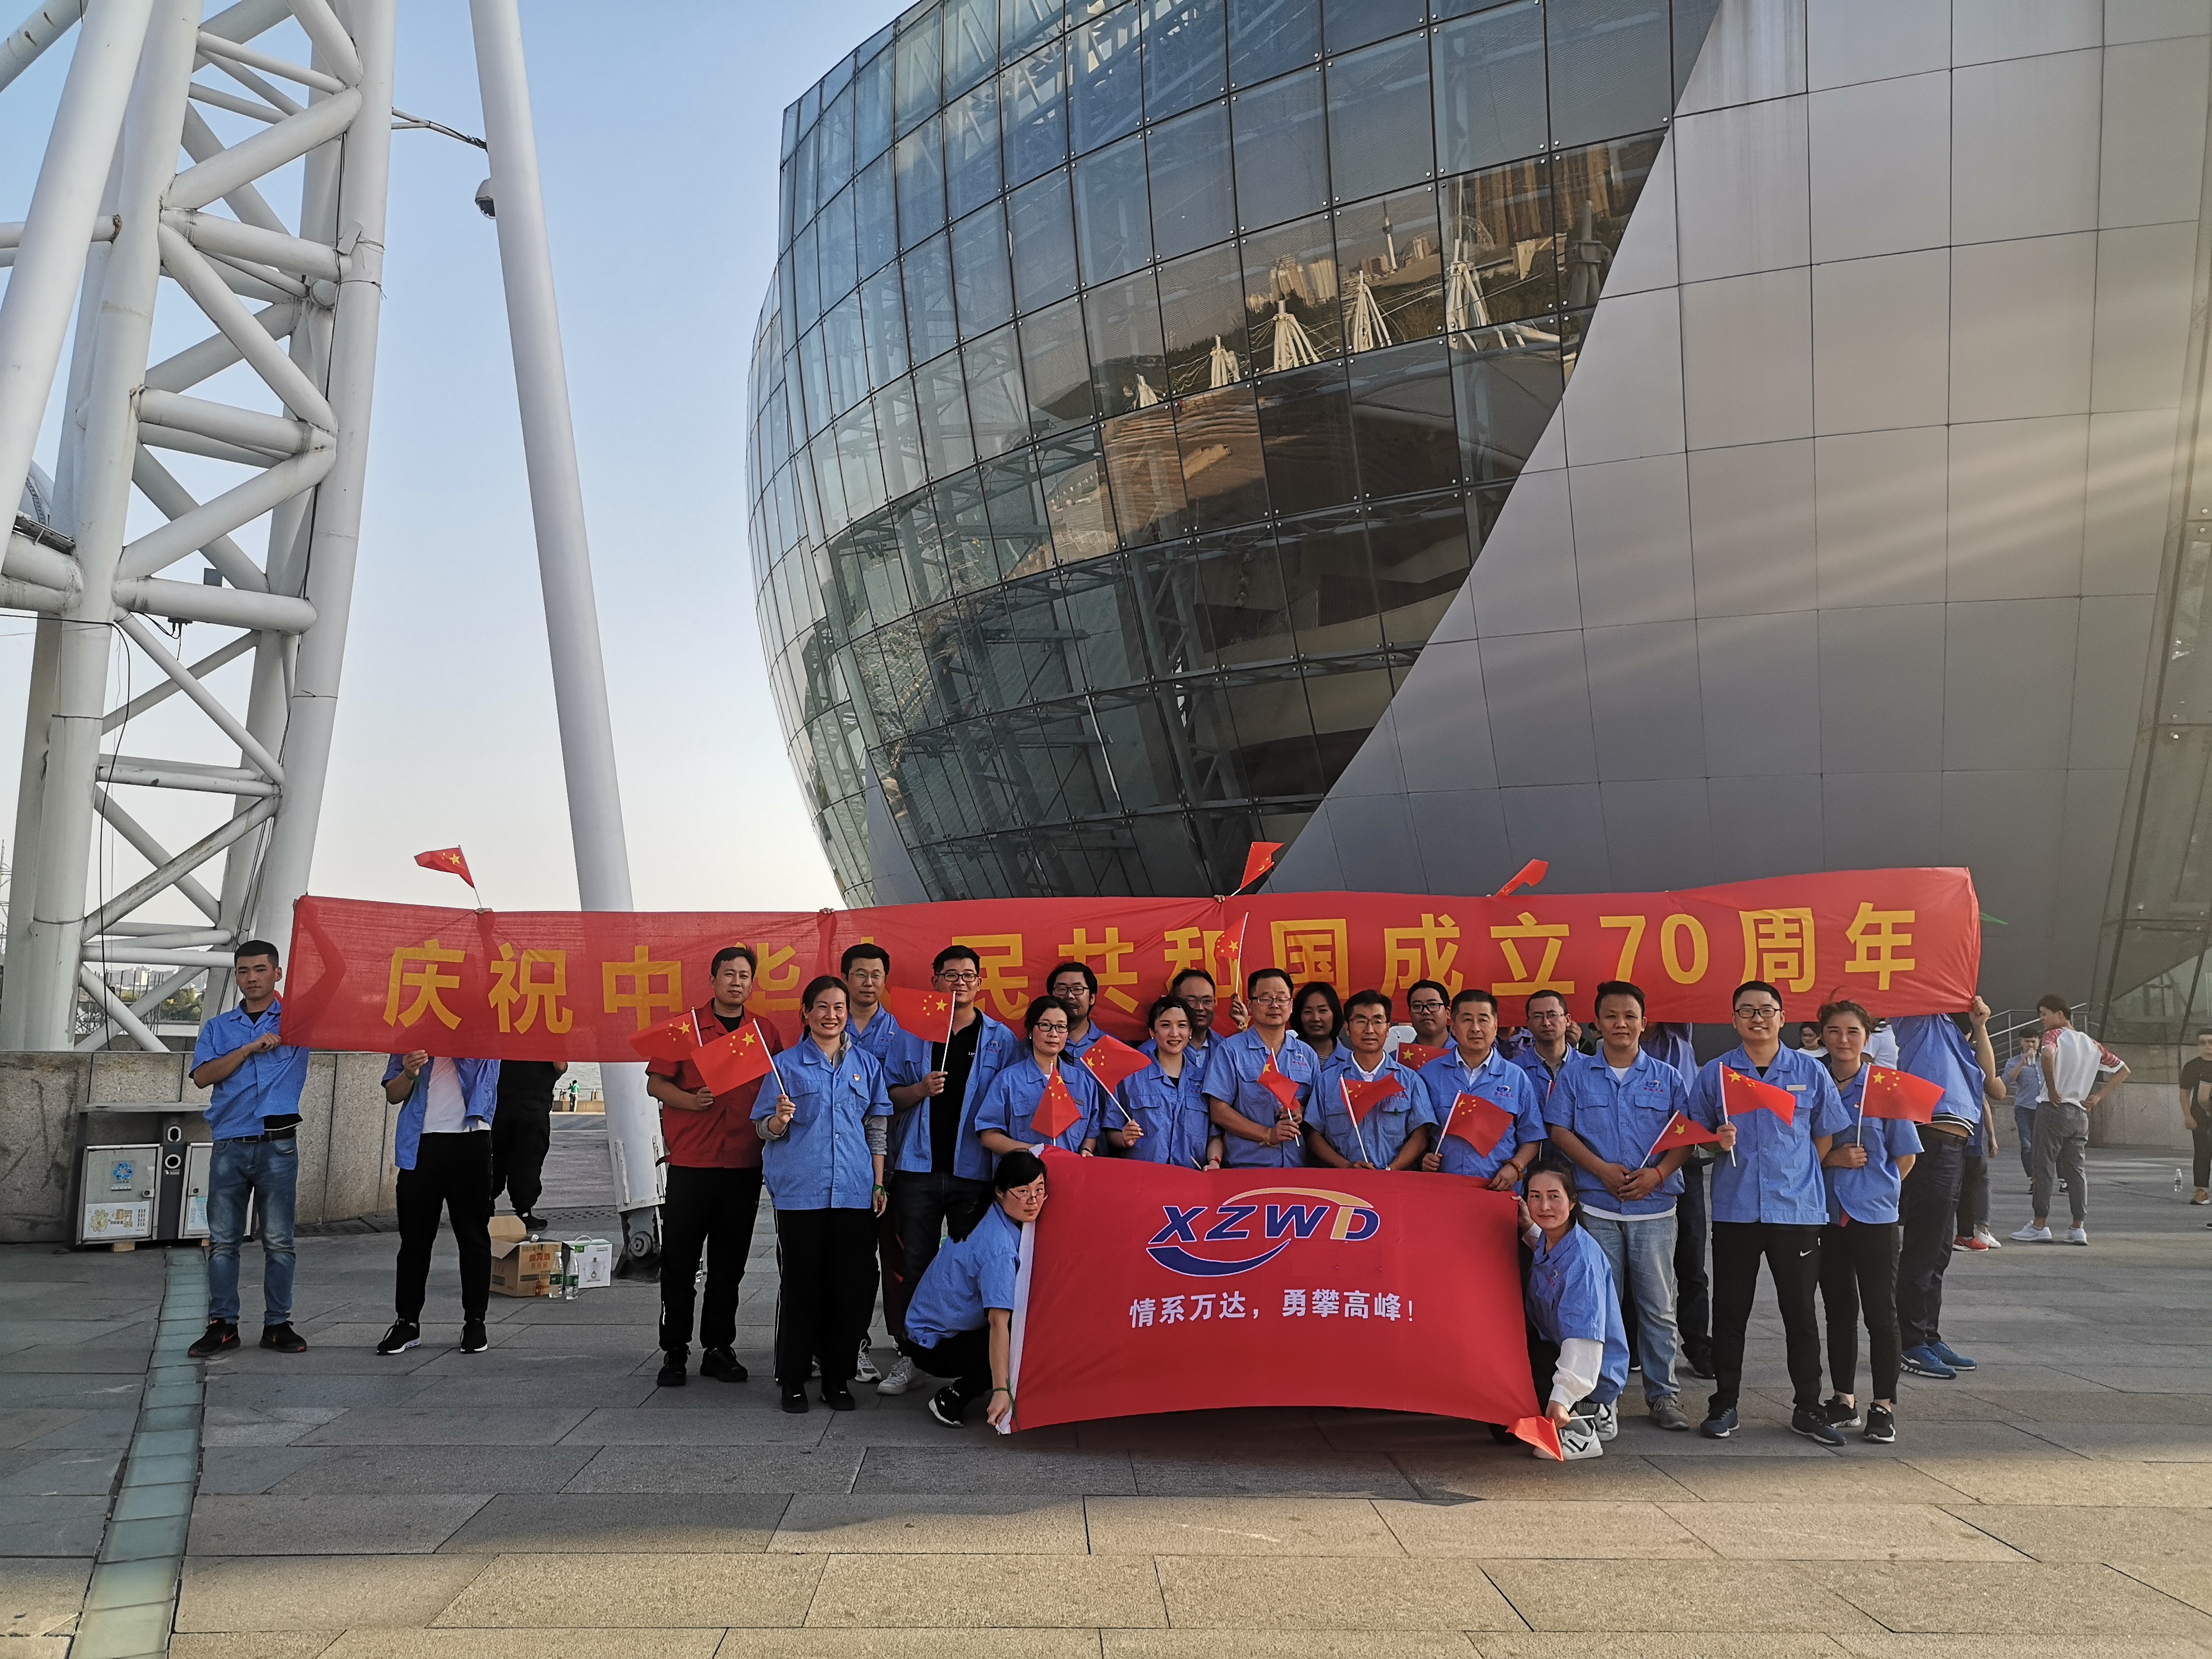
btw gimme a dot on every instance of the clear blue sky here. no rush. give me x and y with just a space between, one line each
658 128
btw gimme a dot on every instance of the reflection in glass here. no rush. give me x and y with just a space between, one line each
1034 113
816 377
914 521
1073 475
945 439
1282 150
1275 752
1144 472
996 402
1594 189
898 429
846 353
919 84
834 144
875 216
834 230
1502 256
1057 368
1202 317
1420 557
1225 470
971 148
1129 365
971 555
1349 23
981 281
1113 222
1503 400
1390 272
1401 419
871 116
1305 427
1184 66
1016 505
1193 204
971 42
807 275
1023 22
1609 68
1105 94
1267 38
1378 119
882 315
920 164
930 323
1291 312
1347 700
1490 86
1043 235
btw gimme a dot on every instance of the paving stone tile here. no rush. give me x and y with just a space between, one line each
1838 1479
2185 1581
867 1591
2069 1480
994 1469
2133 1442
526 1644
815 1643
70 1524
240 1471
39 1596
1239 1526
90 1472
1885 1645
100 1430
1287 1644
267 1394
2032 1405
1315 1593
1836 1532
1708 1644
760 1424
2076 1533
438 1469
1515 1528
596 1523
1683 1598
2044 1599
22 1426
1510 1472
351 1524
263 1592
1282 1473
914 1524
253 1644
636 1592
766 1468
377 1426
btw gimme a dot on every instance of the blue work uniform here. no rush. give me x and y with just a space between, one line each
823 1161
1382 1134
1079 1047
1496 1080
263 1086
897 1049
479 1081
1775 1174
1869 1195
968 1277
1930 1046
1525 1056
1571 1296
1232 1076
1197 1051
1171 1111
997 1047
1009 1106
1619 1121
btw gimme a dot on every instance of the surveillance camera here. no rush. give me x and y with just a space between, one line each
484 200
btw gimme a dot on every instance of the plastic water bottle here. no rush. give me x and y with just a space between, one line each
2177 1180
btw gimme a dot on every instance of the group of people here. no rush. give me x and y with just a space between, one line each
907 1161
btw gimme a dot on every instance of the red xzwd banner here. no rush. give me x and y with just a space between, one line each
1148 1289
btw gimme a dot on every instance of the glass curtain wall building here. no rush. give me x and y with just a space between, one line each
1138 387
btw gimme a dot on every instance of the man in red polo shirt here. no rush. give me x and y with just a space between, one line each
714 1182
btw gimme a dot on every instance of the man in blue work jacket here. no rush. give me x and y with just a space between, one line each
443 1146
253 1117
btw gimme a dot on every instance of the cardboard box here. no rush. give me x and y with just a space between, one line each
592 1261
521 1265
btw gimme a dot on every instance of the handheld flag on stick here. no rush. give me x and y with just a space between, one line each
674 1039
1527 876
1414 1055
1543 1434
1057 1111
1110 1059
449 860
1284 1091
927 1014
1355 1112
1681 1131
1899 1095
1259 859
1741 1094
1229 954
734 1059
1480 1123
1361 1098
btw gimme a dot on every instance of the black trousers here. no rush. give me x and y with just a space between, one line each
828 1259
1694 1293
521 1137
2200 1128
453 1173
1973 1190
1928 1208
1792 1254
710 1211
965 1357
1859 1271
925 1208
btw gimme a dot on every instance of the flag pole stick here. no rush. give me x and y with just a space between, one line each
1655 1144
1344 1089
1725 1112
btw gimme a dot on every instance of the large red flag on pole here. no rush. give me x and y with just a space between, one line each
449 860
926 1014
1109 1059
1480 1123
1741 1094
734 1059
675 1038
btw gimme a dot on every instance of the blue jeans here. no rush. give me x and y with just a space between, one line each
271 1171
2023 1124
1642 1253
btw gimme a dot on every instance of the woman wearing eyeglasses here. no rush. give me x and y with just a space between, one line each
1015 1113
1260 1081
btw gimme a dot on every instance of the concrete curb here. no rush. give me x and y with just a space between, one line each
130 1604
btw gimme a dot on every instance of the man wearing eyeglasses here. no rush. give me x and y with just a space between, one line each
1547 1047
1768 1202
1259 1130
1429 1005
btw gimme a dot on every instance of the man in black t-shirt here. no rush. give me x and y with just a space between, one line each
2196 1114
522 1134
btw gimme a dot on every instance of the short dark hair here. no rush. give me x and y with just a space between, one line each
256 947
1016 1169
867 951
2200 1035
1474 993
1039 1007
1559 997
731 953
1368 1000
2057 1004
1089 979
1444 993
1175 984
1844 1005
1163 1005
1252 980
1327 995
1616 987
820 984
1736 995
953 953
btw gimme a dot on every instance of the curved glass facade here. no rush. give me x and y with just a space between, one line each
1137 387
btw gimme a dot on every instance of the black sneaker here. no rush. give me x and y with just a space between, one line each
1813 1424
945 1406
1881 1425
838 1396
1721 1425
220 1337
794 1401
1699 1363
670 1374
473 1339
722 1365
403 1335
1840 1415
282 1338
536 1224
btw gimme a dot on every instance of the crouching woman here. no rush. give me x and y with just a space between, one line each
962 1319
1577 1347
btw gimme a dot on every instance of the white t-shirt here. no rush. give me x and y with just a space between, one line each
2076 1061
446 1108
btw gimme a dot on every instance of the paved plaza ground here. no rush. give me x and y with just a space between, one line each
544 1500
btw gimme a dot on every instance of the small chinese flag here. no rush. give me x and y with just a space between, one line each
1259 859
1741 1094
1681 1131
1110 1060
673 1039
1284 1091
1056 1111
1229 950
1361 1098
1899 1094
449 860
1527 876
1480 1123
1417 1055
927 1014
1543 1434
732 1060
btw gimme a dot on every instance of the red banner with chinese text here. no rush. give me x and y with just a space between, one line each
1150 1289
578 985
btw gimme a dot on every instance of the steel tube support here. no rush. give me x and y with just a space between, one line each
31 38
120 1011
564 562
153 999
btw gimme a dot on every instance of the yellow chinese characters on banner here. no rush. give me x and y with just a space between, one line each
1316 950
419 977
1778 947
538 981
648 989
1002 991
1105 957
1428 952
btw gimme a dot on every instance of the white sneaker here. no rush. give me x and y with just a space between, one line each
1578 1439
864 1368
1603 1419
2032 1234
2077 1235
899 1379
1988 1239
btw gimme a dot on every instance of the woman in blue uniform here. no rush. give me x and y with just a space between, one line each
1577 1347
1160 1112
824 1124
1005 1122
961 1317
